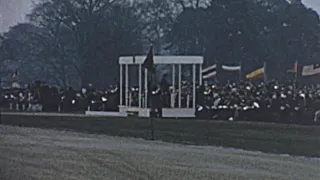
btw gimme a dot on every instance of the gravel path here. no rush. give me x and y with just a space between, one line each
36 154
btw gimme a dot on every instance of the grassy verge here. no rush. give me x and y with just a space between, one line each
273 138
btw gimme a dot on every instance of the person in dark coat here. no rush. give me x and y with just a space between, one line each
165 91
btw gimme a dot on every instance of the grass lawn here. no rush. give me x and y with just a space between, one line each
266 137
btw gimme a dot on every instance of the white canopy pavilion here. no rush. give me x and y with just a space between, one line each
142 108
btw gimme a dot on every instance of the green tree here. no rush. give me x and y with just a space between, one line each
97 32
29 47
248 32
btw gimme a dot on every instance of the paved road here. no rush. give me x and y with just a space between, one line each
35 154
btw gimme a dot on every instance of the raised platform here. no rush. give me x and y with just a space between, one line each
178 113
145 112
104 113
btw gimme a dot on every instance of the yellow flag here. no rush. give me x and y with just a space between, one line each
258 73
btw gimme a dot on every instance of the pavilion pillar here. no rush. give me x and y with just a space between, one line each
179 84
200 74
140 85
127 85
145 88
194 86
173 94
121 85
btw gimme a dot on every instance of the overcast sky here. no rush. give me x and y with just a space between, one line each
315 4
14 11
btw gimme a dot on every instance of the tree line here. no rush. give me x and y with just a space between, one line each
77 42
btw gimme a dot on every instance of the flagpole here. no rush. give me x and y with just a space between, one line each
149 65
296 77
240 72
150 83
296 72
153 75
216 80
265 71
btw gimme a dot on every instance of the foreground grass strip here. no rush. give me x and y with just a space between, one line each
265 137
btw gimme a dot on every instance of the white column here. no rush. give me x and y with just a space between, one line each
145 88
140 85
121 85
194 86
200 74
130 99
173 99
127 85
180 69
188 101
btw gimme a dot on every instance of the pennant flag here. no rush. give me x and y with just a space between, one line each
149 62
310 70
231 68
210 68
15 76
294 69
258 73
15 79
209 72
210 75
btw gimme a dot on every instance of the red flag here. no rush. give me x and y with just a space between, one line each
294 68
149 62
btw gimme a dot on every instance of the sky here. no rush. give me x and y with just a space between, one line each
14 11
314 4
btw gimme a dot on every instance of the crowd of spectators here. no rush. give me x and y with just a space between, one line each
245 101
46 98
275 102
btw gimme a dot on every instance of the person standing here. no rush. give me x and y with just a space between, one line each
165 91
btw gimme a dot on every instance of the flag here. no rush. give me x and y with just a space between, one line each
209 72
149 62
258 73
15 79
309 70
294 69
210 75
15 76
231 68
